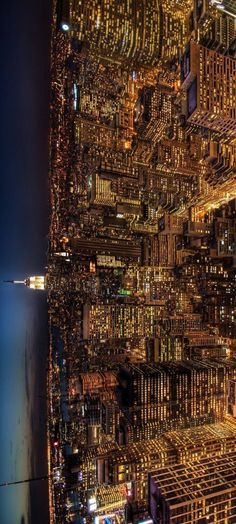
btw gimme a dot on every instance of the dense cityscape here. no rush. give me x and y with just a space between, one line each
141 273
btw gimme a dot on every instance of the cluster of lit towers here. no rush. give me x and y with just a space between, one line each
141 272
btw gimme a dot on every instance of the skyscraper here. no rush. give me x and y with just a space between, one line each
171 395
138 33
35 282
209 104
202 491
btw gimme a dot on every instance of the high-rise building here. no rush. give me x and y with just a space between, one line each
126 32
202 491
114 468
120 248
120 321
169 395
36 282
138 33
222 161
133 461
208 78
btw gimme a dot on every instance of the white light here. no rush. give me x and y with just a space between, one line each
65 27
92 503
62 254
75 96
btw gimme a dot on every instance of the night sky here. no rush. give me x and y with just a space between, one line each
24 90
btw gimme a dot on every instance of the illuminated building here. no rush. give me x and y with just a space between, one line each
109 418
130 33
170 189
168 395
223 32
153 112
119 321
36 282
209 104
175 29
114 468
100 352
196 229
204 345
134 461
118 33
204 14
154 283
230 7
90 133
225 237
202 490
108 261
92 383
181 324
222 161
165 348
215 23
110 498
167 249
107 246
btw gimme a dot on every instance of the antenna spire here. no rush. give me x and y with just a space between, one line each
14 281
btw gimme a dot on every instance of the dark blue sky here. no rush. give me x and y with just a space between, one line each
24 136
24 104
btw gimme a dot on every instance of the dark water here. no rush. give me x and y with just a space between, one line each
23 451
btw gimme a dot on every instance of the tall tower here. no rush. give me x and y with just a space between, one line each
36 282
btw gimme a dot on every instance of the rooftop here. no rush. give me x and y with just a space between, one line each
230 6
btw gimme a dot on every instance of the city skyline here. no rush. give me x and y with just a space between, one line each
142 257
